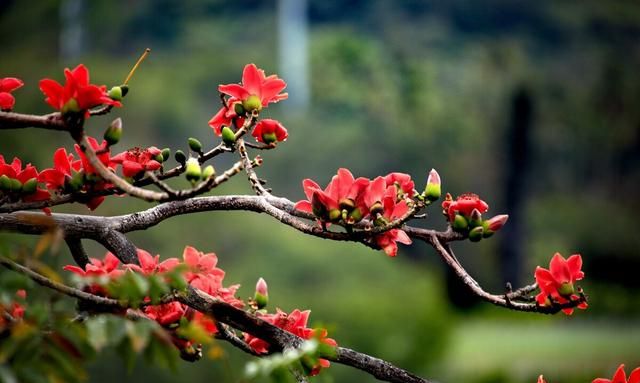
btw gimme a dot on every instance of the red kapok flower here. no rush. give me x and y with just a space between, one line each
151 265
102 151
403 183
257 90
463 205
77 95
137 160
620 376
295 323
541 379
8 85
64 167
96 268
557 283
343 194
201 265
269 131
15 309
26 188
166 314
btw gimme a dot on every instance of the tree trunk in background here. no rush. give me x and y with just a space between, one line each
517 168
293 51
71 31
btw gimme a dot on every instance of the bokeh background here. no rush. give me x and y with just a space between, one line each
532 105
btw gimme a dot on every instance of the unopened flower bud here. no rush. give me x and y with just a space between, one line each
114 132
496 223
193 172
15 185
115 93
195 145
335 215
180 157
433 189
475 234
239 109
228 137
269 138
75 182
5 182
566 289
476 218
30 186
166 154
252 103
208 172
355 216
459 223
262 294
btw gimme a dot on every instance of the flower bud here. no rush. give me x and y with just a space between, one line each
115 93
114 132
566 289
180 157
496 223
228 137
195 145
166 154
433 189
475 234
75 182
15 185
239 109
262 294
476 218
355 216
460 223
252 103
193 172
5 182
208 172
30 186
269 138
335 215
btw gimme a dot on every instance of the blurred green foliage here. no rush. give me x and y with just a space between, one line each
396 86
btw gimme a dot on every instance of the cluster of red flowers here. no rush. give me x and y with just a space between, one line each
256 91
618 377
465 215
17 183
201 272
348 200
557 283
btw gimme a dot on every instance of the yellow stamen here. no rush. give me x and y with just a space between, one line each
142 57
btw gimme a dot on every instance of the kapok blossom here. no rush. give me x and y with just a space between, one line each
102 152
136 161
77 95
403 183
97 269
295 323
541 379
557 283
152 265
344 193
166 314
15 309
227 116
620 376
256 90
8 85
27 177
269 131
463 205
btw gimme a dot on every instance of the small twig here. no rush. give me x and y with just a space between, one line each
226 335
77 251
261 147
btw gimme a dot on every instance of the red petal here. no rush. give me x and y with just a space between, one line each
81 75
559 269
309 186
7 101
575 264
252 80
619 376
54 93
635 376
234 90
270 90
10 84
303 206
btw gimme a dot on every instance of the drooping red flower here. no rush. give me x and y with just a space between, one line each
102 151
295 323
393 210
463 205
137 161
227 116
256 85
269 131
557 283
344 193
64 167
152 265
620 376
77 95
8 85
